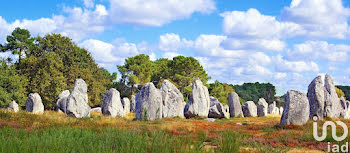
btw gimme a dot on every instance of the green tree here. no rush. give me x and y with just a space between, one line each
220 91
19 42
254 91
12 85
346 90
184 70
161 71
136 70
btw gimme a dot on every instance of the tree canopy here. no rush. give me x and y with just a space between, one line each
254 91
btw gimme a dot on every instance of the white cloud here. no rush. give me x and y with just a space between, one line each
280 75
312 50
170 55
156 12
101 51
88 3
252 24
321 18
254 44
283 65
171 42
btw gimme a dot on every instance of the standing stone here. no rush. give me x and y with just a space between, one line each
316 98
133 104
276 111
216 109
149 103
249 109
126 105
77 101
332 102
227 111
262 107
281 110
234 105
61 103
296 108
172 100
199 103
111 104
13 106
345 108
96 109
34 104
271 108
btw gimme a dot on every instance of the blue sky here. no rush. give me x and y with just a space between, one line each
285 42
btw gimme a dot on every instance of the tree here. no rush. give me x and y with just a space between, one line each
254 91
136 70
339 92
346 90
184 70
12 85
220 91
18 43
161 71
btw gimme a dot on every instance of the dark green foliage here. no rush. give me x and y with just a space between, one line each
220 91
52 64
254 91
12 85
346 90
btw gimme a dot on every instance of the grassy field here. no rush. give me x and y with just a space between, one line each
55 132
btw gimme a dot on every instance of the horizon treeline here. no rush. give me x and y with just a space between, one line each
50 64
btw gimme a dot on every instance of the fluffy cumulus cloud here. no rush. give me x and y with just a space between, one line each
294 66
77 24
320 18
253 24
156 12
313 50
171 42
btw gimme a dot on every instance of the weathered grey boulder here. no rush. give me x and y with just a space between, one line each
249 109
199 103
281 110
323 98
126 105
172 100
13 106
216 109
227 111
34 104
149 103
234 105
345 107
276 111
332 102
96 109
111 104
133 104
77 101
316 98
272 109
61 103
262 107
296 109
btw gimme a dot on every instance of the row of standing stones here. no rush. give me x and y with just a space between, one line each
151 103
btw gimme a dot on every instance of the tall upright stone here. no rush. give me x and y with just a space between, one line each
34 104
199 103
133 104
345 108
296 109
249 109
323 99
111 104
172 100
332 102
13 106
272 109
262 107
281 110
61 103
126 105
77 101
149 103
234 105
